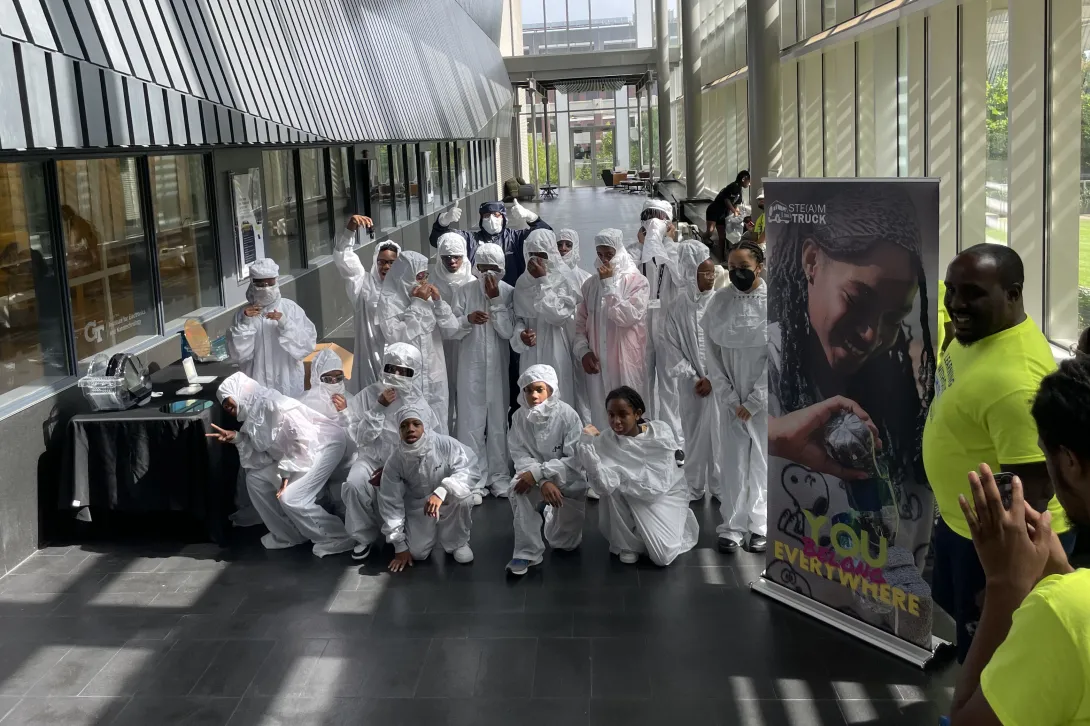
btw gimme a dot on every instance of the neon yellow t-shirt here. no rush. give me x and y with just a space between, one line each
981 414
759 226
943 314
1040 675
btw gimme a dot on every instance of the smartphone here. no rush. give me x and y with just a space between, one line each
1005 481
371 232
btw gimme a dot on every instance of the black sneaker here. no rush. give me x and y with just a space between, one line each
728 546
757 543
679 457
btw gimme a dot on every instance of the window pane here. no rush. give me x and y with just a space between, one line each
282 233
32 347
183 236
613 24
533 27
398 181
343 199
902 102
580 39
996 99
315 203
556 26
106 255
433 187
412 183
381 189
463 179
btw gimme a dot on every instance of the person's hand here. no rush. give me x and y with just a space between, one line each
431 507
358 220
1057 563
283 487
524 482
1012 554
591 364
434 292
376 479
800 437
529 337
450 216
401 561
478 318
523 213
591 430
274 315
387 397
339 402
422 291
743 414
605 272
551 494
703 388
222 435
671 231
536 267
252 311
491 286
641 236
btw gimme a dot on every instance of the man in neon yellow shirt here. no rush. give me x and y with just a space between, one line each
1030 660
981 413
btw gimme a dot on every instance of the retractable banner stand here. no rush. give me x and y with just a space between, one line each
852 267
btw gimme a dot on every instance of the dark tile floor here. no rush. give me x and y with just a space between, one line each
137 634
205 635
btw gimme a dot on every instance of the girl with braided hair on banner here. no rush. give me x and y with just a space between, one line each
851 374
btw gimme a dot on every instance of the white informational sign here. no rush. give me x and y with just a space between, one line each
249 231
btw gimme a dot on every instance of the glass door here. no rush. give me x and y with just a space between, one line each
588 157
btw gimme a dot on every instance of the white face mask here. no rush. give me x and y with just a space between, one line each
396 382
265 296
333 389
492 225
416 450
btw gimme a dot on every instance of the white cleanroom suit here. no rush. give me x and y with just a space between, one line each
542 441
449 283
283 439
271 351
736 327
365 291
610 322
484 351
546 307
408 319
435 464
683 356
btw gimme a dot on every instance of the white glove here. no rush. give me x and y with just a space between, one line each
450 216
523 213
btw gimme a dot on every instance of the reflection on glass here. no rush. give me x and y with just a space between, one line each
399 176
315 203
412 186
995 194
340 171
32 348
382 197
105 253
1083 111
183 236
463 179
188 406
902 101
282 234
434 194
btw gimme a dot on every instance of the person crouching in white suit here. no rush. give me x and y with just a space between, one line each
426 493
288 452
544 433
645 499
371 420
327 396
684 358
483 311
736 326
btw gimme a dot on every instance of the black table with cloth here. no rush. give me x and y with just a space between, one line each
144 460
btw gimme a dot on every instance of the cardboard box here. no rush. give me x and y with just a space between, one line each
345 356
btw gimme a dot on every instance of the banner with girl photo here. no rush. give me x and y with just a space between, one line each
851 345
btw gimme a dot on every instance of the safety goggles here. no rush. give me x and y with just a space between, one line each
398 370
332 377
263 282
493 208
447 259
654 214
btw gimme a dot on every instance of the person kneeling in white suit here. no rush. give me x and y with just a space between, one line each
426 493
544 433
645 499
371 420
288 452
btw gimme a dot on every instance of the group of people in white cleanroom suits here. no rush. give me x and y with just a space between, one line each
637 381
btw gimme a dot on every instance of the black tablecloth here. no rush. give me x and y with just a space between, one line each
144 460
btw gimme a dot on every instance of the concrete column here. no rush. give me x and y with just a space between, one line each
516 140
765 137
690 74
650 133
662 22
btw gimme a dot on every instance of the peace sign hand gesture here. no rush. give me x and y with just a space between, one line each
222 435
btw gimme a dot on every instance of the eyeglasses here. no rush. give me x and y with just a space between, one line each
332 378
398 370
706 275
386 263
264 282
451 258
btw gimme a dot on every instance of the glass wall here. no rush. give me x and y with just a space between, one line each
106 253
382 195
412 182
32 334
432 190
316 222
581 26
282 225
461 169
344 203
400 192
996 100
189 280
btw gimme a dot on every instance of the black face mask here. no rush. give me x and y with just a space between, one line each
742 278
